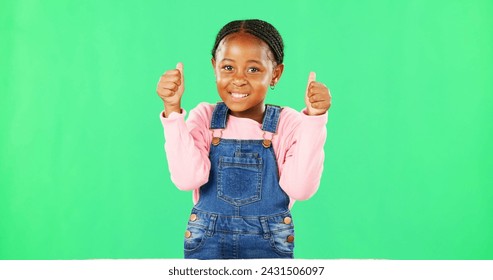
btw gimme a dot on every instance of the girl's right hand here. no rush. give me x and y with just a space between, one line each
170 88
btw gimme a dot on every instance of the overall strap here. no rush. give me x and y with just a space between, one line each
270 123
271 118
219 116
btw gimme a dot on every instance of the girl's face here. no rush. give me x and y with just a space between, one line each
244 70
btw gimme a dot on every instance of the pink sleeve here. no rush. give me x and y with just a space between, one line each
187 148
304 160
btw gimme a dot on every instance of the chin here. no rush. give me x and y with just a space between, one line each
235 107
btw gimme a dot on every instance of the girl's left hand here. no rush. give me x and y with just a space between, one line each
317 97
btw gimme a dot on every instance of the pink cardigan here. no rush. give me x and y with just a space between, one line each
298 146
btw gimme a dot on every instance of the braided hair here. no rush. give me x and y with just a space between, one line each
258 28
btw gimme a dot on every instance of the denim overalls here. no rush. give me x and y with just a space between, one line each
242 211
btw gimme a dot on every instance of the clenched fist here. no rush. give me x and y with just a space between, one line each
317 96
170 88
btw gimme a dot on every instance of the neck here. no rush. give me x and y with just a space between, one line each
255 113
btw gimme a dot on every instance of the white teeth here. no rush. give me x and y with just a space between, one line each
239 95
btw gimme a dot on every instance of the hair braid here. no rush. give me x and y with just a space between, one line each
258 28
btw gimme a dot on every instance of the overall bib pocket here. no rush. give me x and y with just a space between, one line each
239 179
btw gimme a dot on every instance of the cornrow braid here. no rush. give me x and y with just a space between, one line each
258 28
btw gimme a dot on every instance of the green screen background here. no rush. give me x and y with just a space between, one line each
407 174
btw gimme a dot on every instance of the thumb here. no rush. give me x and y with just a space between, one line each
179 67
311 78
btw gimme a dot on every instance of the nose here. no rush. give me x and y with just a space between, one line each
239 79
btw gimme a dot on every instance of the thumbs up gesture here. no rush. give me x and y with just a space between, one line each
170 88
317 96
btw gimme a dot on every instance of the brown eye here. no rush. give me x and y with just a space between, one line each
228 68
253 70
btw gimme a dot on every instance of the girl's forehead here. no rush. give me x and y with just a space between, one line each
243 43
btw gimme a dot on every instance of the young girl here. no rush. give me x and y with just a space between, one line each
246 162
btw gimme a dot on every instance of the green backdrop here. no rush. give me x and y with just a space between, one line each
408 171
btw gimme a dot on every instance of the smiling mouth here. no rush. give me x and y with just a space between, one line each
237 95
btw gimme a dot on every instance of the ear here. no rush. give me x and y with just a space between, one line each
213 61
276 75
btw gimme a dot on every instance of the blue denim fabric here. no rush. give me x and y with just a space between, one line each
242 209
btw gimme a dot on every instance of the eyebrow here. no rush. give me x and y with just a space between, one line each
250 60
